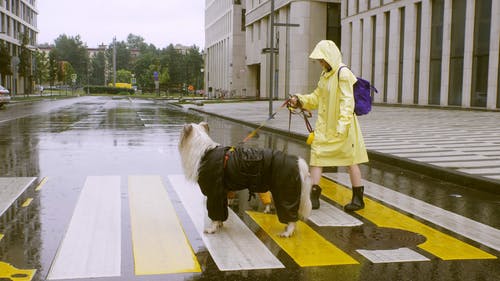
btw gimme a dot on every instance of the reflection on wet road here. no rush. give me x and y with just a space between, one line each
102 195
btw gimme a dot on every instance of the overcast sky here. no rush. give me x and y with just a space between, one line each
159 22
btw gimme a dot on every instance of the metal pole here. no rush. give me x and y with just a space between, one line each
271 59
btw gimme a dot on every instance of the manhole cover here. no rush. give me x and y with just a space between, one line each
377 238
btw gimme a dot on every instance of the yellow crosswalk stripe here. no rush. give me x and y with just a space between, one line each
305 247
439 244
9 272
27 202
159 243
40 185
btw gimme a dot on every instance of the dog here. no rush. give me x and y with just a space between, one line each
220 169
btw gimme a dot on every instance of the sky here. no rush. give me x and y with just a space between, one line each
159 22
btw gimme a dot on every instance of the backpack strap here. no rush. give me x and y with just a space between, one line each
338 72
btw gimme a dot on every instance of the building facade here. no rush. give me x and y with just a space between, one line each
225 70
17 17
427 52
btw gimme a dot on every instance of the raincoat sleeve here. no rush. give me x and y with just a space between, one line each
346 100
309 101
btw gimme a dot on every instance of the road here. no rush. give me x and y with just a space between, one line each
105 198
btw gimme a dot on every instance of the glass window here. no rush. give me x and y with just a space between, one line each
436 51
401 52
418 29
482 22
386 51
457 52
333 29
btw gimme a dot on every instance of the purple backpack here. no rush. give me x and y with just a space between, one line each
362 90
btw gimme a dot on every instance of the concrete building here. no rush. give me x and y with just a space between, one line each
17 17
428 52
225 69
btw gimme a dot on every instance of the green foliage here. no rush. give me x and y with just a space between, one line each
123 76
98 69
5 67
53 67
72 50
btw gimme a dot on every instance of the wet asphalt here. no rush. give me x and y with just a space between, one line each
69 140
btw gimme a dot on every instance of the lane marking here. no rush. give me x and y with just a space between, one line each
464 226
235 246
159 243
439 244
91 246
27 202
41 184
9 272
328 215
391 256
305 247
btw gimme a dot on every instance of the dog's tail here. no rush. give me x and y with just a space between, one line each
305 206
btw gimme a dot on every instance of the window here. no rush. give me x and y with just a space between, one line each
436 51
401 52
418 29
333 29
482 24
457 52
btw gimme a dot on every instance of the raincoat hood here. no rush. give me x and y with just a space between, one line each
328 51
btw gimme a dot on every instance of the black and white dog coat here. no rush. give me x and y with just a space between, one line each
226 168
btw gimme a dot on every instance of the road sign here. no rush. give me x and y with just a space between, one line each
73 77
155 75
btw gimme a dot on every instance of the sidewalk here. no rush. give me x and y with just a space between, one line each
459 146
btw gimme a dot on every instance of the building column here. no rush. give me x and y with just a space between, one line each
425 53
494 62
393 66
468 53
445 57
368 37
379 57
356 48
409 54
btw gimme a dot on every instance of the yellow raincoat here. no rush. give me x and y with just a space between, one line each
337 136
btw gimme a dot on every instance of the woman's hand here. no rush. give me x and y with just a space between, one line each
294 102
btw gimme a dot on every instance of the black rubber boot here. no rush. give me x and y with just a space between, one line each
315 194
357 199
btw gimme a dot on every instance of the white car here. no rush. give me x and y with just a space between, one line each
4 96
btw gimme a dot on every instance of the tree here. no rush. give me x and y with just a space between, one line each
52 67
98 69
72 50
5 67
123 76
25 63
41 70
142 70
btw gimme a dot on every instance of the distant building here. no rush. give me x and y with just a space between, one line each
17 18
225 69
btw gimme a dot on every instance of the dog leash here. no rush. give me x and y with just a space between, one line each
252 134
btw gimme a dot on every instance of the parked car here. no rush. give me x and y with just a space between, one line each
4 96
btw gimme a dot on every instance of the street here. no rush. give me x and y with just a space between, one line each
104 197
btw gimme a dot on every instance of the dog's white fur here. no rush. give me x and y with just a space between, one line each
193 144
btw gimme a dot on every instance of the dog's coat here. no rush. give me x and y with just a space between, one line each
219 169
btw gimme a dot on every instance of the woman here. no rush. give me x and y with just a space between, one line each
337 137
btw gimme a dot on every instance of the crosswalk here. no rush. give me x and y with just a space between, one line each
92 245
